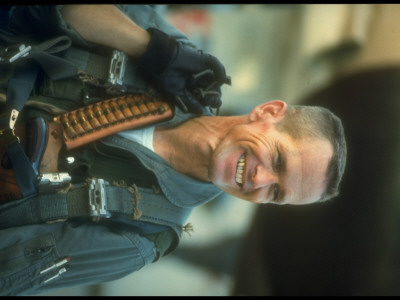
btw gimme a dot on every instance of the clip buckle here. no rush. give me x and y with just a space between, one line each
13 118
50 182
97 199
116 72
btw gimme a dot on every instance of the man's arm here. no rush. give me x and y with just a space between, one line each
189 77
107 25
184 75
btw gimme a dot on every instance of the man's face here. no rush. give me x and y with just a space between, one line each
258 163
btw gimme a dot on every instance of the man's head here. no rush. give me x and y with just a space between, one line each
283 154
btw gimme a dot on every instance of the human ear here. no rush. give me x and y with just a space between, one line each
273 109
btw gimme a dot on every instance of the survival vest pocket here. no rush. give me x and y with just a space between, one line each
20 265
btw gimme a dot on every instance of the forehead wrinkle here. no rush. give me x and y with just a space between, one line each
301 185
299 191
319 169
291 191
306 191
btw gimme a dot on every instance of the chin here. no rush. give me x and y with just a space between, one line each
217 179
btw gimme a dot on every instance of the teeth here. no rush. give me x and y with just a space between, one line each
240 169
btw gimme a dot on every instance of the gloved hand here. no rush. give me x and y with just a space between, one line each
189 77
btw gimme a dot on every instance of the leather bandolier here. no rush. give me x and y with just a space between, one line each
104 118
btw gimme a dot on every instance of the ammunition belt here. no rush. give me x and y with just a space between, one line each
77 128
90 123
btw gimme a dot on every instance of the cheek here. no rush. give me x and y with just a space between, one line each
227 150
223 164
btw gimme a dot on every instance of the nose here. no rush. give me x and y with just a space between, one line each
264 177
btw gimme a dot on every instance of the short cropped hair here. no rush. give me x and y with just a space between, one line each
303 121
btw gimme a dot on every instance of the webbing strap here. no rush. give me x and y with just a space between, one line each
23 170
55 206
54 66
75 203
91 63
155 208
161 210
18 92
43 53
20 86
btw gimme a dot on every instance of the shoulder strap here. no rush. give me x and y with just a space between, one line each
43 53
18 92
28 58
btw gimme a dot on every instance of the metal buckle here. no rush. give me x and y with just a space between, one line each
13 53
50 182
11 123
13 118
97 199
116 72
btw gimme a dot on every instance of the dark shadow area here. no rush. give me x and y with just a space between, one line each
4 9
349 245
218 258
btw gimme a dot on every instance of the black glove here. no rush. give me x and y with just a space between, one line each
190 77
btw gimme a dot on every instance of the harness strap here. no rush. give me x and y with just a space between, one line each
54 66
23 170
20 86
119 203
90 63
102 70
18 92
43 53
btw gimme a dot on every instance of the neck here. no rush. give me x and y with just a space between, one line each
189 146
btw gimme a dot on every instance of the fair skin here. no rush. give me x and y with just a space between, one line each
107 25
218 143
276 168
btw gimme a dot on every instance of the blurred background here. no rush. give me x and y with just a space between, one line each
342 56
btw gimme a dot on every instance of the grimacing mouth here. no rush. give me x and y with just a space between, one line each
240 169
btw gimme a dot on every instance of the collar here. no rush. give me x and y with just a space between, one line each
180 189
